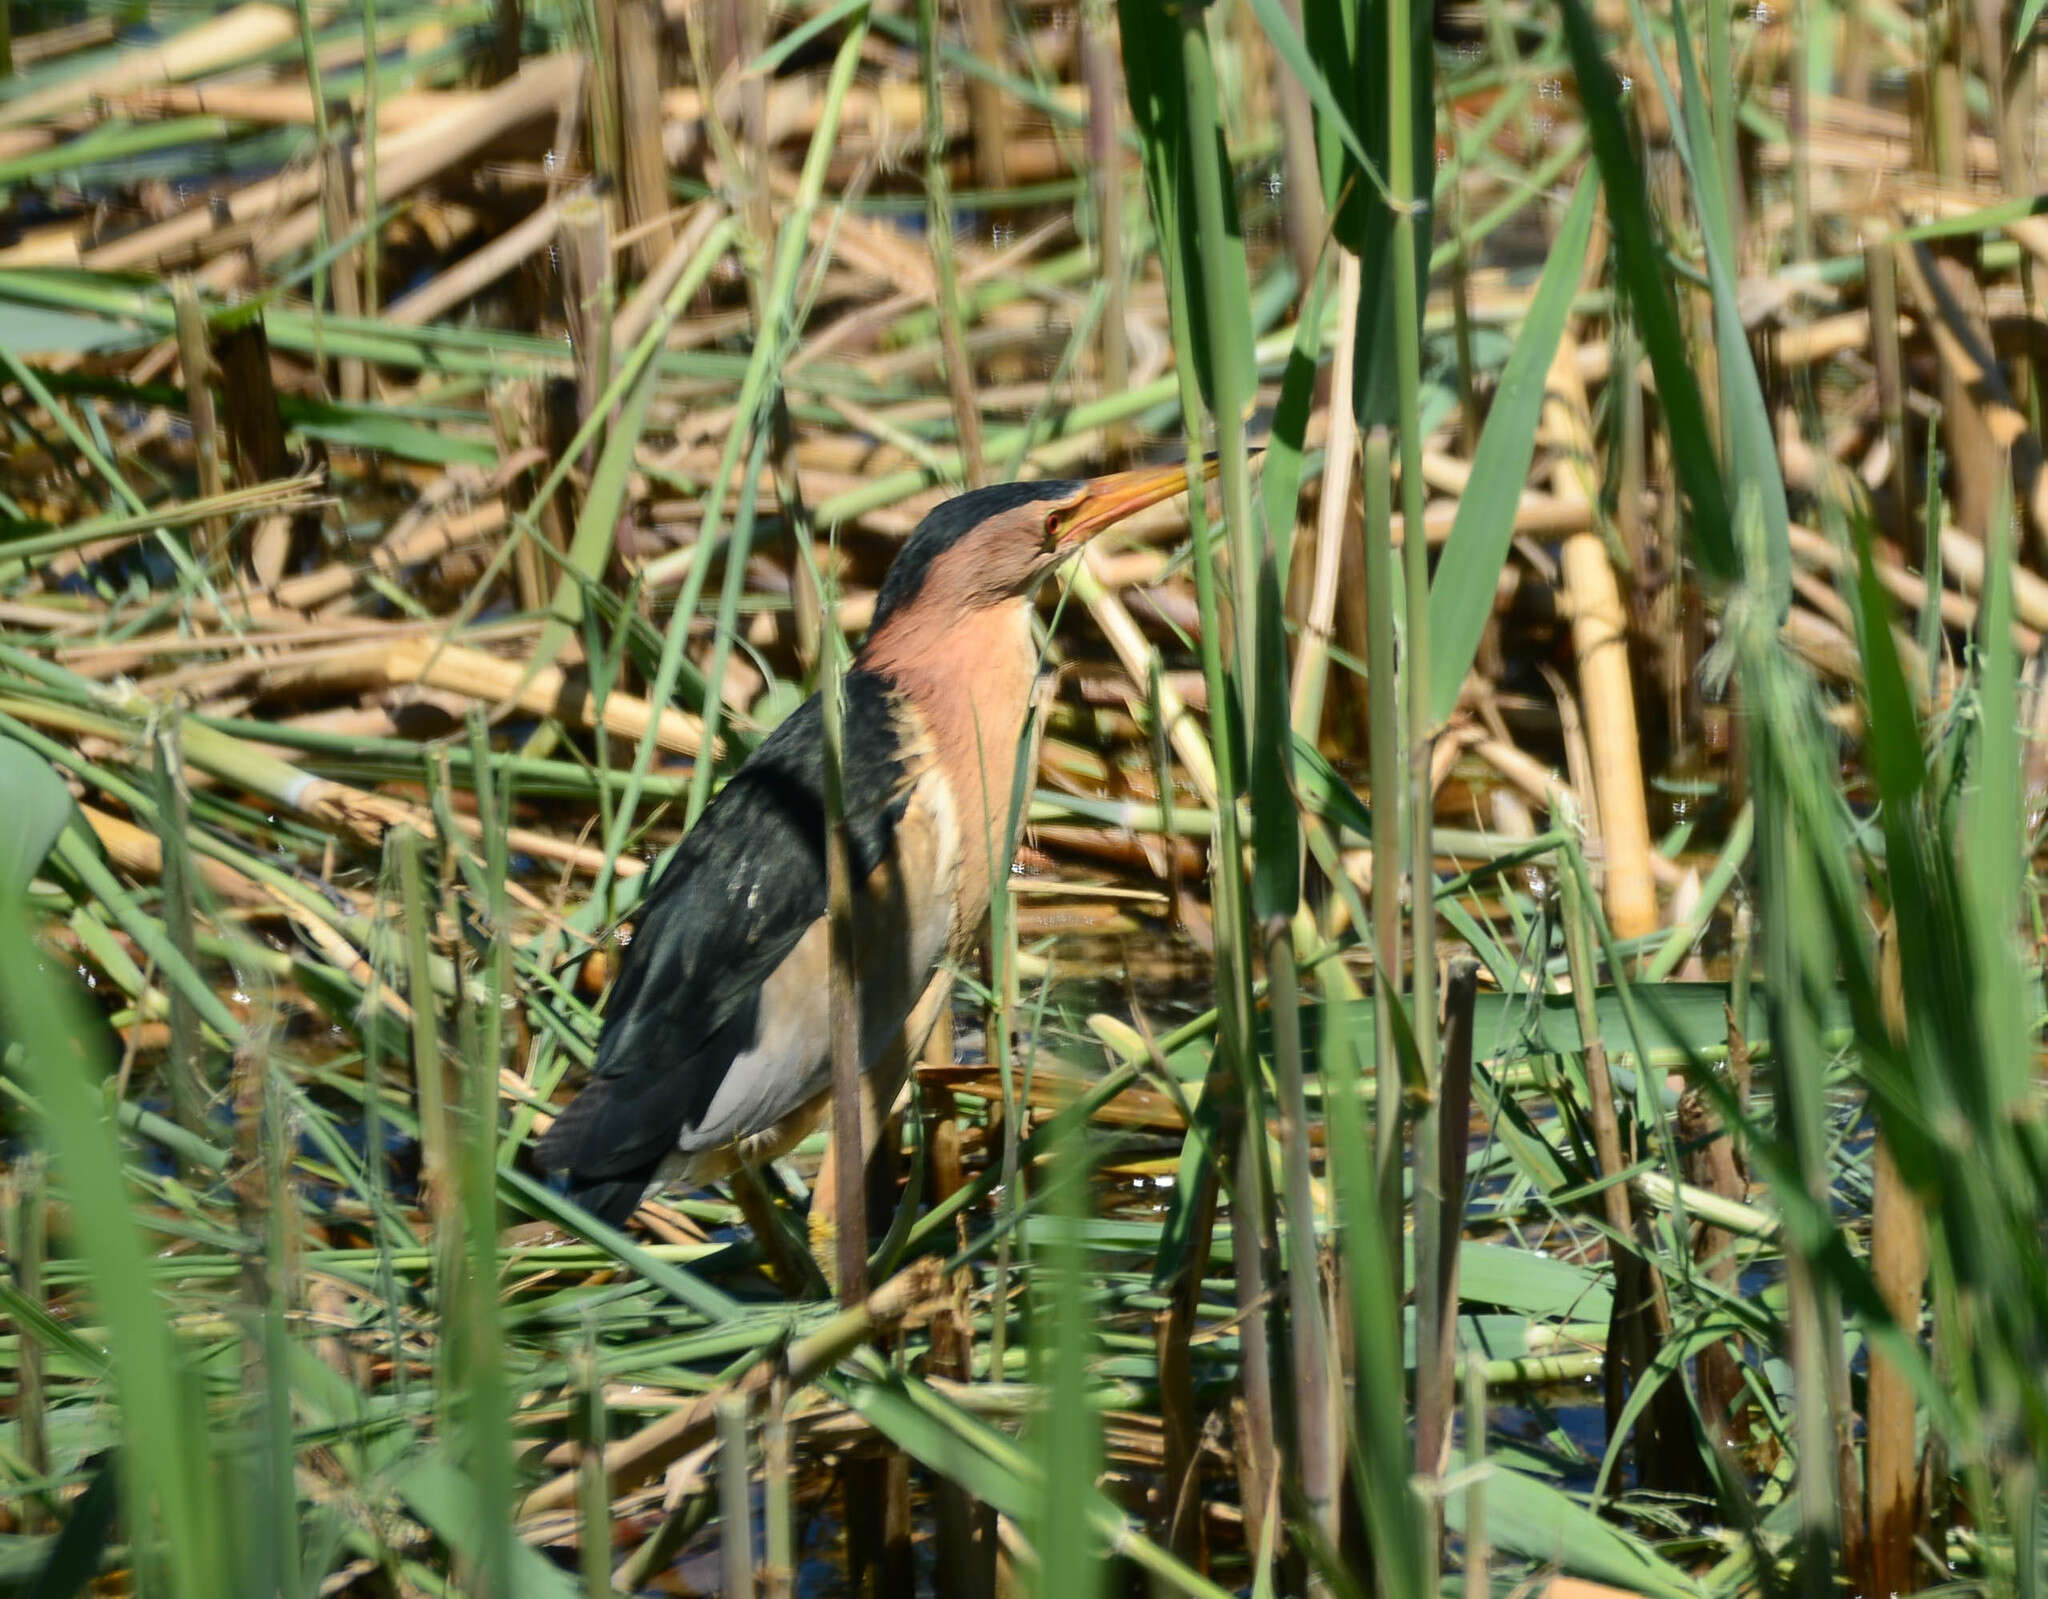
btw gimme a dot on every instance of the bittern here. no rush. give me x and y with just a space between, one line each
716 1047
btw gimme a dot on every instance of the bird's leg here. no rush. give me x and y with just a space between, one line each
882 1086
793 1274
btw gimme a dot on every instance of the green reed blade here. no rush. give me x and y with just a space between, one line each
1468 569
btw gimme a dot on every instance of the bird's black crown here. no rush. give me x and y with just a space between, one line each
947 523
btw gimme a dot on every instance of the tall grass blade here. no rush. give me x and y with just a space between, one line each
1640 264
169 1489
1461 599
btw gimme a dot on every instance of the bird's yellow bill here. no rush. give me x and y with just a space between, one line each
1106 501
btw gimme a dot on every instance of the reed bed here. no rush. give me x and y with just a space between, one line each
438 442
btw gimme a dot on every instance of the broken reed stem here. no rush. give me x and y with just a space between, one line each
735 1510
1710 1167
337 195
196 360
849 1265
636 27
587 297
593 1504
778 1497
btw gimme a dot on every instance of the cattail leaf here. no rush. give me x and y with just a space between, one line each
1644 278
39 809
1365 217
1746 418
1468 570
165 1471
1280 470
1276 827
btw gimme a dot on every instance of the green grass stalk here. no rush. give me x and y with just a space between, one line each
1388 803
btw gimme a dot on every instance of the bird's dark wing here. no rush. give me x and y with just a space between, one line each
739 893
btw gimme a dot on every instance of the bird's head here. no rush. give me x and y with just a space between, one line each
994 545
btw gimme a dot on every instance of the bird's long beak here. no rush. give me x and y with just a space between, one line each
1106 501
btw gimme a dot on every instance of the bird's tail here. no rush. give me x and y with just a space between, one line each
610 1199
564 1155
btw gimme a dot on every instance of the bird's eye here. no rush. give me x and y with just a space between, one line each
1052 528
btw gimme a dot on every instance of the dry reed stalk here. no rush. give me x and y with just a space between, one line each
1102 74
1831 648
1843 131
1600 642
1962 558
865 321
1990 428
1538 784
48 44
1957 610
638 312
1181 1435
520 430
1880 278
1710 1165
635 29
587 294
257 443
966 415
424 542
1898 1250
1302 195
476 271
635 1459
868 248
1131 649
1333 512
196 358
345 275
988 106
212 756
282 104
140 853
234 36
488 679
404 162
873 115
